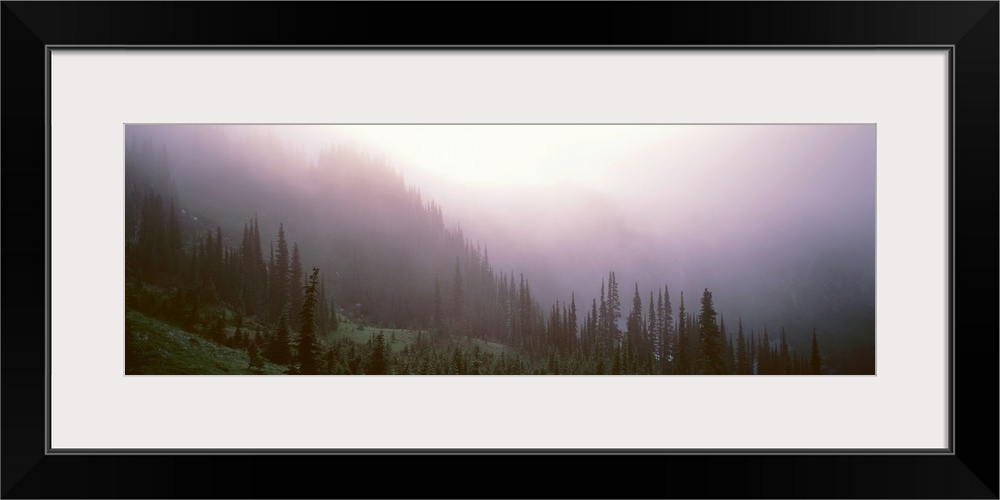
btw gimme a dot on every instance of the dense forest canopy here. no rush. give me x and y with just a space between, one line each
507 280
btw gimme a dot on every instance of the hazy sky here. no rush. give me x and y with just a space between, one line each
750 211
657 203
706 180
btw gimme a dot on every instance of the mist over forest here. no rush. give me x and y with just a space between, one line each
498 246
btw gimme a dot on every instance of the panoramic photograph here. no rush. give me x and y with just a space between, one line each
500 249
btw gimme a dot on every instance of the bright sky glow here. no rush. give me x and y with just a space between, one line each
718 176
736 208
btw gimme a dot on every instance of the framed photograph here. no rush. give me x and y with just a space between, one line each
331 247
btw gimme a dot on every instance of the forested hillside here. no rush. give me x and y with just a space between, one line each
339 267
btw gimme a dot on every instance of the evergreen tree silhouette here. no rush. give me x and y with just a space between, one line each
308 346
377 364
682 361
814 360
278 350
712 362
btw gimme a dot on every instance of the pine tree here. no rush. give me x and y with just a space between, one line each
260 339
599 368
634 321
727 351
682 362
279 274
256 361
295 283
278 350
309 351
514 316
322 311
477 362
814 359
237 339
712 361
571 324
457 364
252 274
603 328
730 356
661 317
742 356
591 326
217 332
270 284
764 351
667 319
616 363
786 362
377 364
694 343
653 331
259 299
614 306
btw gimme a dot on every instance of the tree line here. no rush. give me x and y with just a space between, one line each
207 282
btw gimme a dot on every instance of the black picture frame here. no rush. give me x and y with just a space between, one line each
970 28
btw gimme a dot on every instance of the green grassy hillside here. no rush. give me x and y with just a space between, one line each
157 348
154 347
398 338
